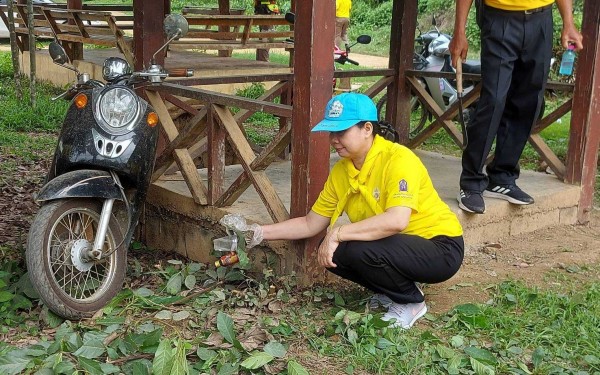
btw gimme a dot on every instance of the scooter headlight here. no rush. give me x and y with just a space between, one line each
117 109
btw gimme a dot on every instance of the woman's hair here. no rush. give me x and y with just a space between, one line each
382 128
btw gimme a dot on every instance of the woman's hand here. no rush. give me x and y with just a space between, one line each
327 248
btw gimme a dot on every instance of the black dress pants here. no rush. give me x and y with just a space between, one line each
393 264
515 61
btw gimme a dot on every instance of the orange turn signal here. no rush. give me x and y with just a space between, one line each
152 119
81 101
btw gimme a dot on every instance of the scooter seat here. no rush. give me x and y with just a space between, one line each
472 67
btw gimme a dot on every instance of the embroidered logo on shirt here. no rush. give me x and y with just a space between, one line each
403 185
376 194
336 109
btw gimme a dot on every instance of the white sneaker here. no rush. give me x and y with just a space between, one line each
379 299
405 314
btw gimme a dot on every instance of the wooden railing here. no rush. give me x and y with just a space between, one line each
73 26
229 32
444 119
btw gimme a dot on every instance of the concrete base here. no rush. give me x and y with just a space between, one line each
556 204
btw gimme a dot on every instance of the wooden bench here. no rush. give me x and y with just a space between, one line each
229 32
73 26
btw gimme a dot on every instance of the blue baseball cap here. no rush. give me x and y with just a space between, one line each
346 110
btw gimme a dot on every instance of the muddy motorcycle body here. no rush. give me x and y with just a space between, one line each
97 184
90 205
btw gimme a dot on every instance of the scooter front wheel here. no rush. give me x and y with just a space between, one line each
70 283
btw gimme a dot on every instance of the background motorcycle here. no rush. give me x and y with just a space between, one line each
90 205
432 54
340 56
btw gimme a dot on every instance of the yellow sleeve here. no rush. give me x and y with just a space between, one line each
403 182
327 201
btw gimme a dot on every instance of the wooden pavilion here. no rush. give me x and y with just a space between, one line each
310 86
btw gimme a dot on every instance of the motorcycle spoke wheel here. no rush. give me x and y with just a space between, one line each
418 114
71 284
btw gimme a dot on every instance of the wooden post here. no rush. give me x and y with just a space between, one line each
148 35
404 21
313 68
584 140
224 9
76 49
32 64
14 51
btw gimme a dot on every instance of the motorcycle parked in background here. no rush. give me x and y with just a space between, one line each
432 54
91 202
340 56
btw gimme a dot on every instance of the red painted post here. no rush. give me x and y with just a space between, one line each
404 21
148 34
584 140
314 32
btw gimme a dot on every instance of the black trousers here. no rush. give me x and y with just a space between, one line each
393 264
515 61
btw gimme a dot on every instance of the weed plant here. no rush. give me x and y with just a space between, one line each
187 318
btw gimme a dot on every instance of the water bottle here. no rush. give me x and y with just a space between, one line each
566 63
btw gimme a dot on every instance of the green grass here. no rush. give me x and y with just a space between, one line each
520 330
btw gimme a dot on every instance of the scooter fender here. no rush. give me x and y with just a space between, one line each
83 183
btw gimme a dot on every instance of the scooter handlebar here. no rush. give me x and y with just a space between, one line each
352 61
181 72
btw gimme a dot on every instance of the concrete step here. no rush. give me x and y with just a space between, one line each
175 222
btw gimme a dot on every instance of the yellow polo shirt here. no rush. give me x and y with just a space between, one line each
391 176
518 4
342 8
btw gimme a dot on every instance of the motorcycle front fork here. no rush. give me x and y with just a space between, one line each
96 252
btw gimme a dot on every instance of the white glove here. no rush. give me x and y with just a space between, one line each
253 233
253 236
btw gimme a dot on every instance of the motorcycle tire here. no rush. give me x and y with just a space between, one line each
417 122
72 287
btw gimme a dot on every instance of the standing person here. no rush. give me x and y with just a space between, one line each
401 232
516 48
265 7
342 22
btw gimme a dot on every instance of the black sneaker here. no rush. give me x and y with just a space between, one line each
511 193
471 201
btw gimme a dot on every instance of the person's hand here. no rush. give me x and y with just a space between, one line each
459 46
570 35
327 248
253 235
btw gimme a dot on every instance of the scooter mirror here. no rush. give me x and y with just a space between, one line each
58 54
363 39
290 17
175 26
433 21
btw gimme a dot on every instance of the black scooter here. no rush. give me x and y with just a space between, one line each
90 205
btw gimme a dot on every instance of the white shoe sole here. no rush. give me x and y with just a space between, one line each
464 208
419 315
491 194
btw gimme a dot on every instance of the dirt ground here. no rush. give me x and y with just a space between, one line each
569 250
529 257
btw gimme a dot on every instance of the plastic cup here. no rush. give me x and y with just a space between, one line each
225 244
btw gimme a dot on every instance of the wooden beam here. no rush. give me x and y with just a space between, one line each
584 140
404 22
227 100
76 48
259 178
224 7
148 34
313 68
